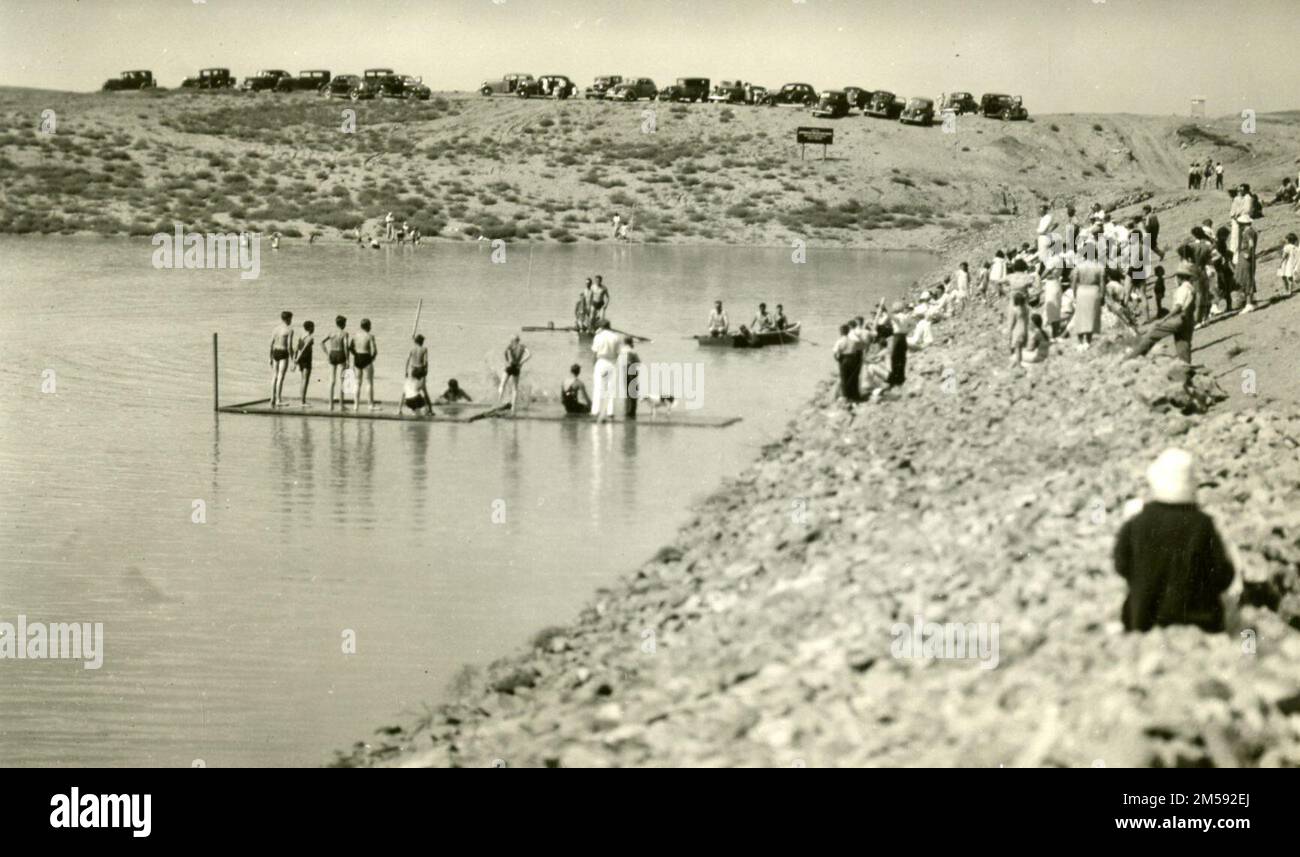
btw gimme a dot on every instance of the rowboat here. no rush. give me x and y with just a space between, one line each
789 336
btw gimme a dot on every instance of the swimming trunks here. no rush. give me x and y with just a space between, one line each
338 358
512 370
278 354
569 398
304 359
419 371
362 360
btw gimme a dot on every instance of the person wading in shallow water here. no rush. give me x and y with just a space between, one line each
281 348
573 393
516 355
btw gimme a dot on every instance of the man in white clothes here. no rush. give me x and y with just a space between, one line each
604 387
1045 224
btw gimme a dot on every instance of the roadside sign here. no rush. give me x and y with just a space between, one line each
816 136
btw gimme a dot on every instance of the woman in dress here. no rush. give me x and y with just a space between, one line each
1052 293
1088 279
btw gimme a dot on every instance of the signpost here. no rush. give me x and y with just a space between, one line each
817 136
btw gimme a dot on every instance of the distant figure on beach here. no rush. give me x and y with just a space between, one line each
718 321
453 394
573 393
1218 175
1289 269
365 351
281 348
849 361
624 232
617 222
1176 565
600 301
390 231
336 347
302 357
1151 225
516 355
605 383
417 368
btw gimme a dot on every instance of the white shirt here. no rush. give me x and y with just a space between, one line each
962 282
1045 223
606 345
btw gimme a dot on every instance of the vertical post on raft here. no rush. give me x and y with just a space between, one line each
216 377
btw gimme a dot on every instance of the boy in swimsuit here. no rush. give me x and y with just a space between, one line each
582 309
516 354
336 346
302 356
599 301
365 350
414 396
417 367
781 322
281 346
453 394
573 393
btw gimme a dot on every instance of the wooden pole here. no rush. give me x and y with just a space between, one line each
216 377
415 328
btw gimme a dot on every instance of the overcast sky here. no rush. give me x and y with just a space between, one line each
1139 56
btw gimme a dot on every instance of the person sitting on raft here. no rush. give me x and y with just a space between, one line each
453 394
718 321
414 396
573 393
417 368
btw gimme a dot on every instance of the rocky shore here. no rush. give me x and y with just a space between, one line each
983 495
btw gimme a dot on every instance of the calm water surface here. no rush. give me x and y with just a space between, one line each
224 639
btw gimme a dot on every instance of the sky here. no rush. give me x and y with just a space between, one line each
1103 56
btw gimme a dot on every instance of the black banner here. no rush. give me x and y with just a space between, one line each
817 136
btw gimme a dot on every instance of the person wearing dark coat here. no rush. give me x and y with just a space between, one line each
1171 555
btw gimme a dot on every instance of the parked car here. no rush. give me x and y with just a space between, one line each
265 80
549 86
800 94
130 80
884 105
999 106
349 86
413 88
306 81
210 78
832 105
686 89
602 85
960 102
756 95
918 111
859 97
634 89
507 85
729 92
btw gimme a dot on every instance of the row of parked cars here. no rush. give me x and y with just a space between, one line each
373 83
829 103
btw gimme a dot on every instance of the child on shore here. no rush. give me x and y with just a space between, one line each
1018 326
1171 555
1290 267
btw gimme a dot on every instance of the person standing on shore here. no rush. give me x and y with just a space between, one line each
1087 282
1052 292
1018 326
365 351
1044 231
1199 253
605 383
1180 323
337 346
1170 554
1289 269
631 370
1218 175
281 348
845 351
302 357
1247 244
998 273
982 282
1151 225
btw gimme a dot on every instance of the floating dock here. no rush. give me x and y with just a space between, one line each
473 412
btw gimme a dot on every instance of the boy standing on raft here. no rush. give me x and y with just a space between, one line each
365 350
281 347
336 346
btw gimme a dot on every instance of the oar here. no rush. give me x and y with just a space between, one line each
633 335
549 328
416 326
491 412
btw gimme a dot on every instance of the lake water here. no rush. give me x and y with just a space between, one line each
224 639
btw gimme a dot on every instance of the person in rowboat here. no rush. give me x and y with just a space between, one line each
762 322
718 322
365 351
599 301
281 347
417 369
453 394
302 356
516 354
336 347
780 322
573 393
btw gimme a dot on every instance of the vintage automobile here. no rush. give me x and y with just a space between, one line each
388 84
1004 107
349 86
265 80
602 85
757 95
859 97
634 89
918 111
884 105
729 92
306 81
686 89
960 102
507 85
130 80
549 86
799 94
832 105
210 78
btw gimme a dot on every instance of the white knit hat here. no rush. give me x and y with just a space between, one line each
1171 477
